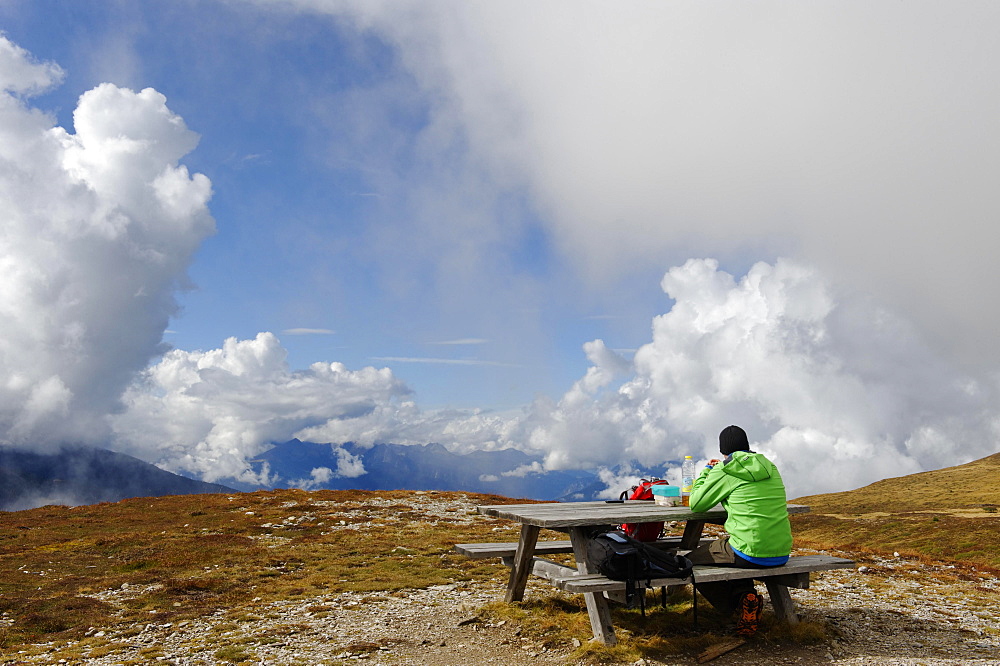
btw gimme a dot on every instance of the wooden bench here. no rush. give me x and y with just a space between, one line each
777 579
505 550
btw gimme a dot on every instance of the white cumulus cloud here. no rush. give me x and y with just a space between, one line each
347 466
838 391
97 229
23 75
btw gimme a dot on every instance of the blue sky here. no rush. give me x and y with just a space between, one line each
276 98
499 204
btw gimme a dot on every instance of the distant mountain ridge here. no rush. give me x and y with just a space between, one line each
78 475
506 472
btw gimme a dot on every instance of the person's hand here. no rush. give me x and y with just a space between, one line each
713 462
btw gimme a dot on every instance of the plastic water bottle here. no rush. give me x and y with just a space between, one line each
687 480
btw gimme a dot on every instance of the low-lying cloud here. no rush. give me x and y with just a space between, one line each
209 413
838 390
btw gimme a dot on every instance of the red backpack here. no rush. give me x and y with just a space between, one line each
642 531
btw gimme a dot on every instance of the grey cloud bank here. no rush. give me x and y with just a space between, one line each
838 390
857 136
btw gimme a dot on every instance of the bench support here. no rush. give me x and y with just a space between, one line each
777 583
781 600
546 569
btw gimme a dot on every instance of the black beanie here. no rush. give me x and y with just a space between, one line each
733 438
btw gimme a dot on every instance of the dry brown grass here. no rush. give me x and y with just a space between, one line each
191 556
202 553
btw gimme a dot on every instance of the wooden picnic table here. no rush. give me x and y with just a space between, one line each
581 520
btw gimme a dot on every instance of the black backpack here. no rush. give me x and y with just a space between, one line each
620 557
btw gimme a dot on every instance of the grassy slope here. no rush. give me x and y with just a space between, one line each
945 514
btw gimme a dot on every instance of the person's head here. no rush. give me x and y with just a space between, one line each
733 438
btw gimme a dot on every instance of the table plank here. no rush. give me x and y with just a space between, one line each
581 514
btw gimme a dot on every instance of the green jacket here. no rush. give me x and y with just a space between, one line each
750 490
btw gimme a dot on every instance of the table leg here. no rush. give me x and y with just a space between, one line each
597 605
689 541
692 534
521 568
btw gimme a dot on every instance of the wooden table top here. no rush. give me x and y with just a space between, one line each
578 514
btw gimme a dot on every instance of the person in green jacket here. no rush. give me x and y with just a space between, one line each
750 489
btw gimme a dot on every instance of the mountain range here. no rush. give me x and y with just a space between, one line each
76 475
506 472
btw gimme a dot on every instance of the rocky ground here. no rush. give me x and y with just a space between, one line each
887 611
891 612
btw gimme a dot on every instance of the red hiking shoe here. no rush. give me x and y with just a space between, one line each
748 614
